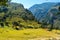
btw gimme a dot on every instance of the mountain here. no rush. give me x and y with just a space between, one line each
16 16
19 10
40 10
16 10
47 14
55 12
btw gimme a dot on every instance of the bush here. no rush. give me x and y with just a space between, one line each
2 24
30 27
7 24
17 26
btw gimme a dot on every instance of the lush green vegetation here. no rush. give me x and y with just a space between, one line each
17 17
4 2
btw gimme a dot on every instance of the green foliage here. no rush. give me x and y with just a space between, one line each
3 2
17 17
2 24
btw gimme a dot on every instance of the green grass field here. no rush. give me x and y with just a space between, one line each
26 34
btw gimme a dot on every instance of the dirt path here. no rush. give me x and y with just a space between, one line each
57 38
46 38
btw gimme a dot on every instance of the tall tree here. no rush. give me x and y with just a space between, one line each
4 2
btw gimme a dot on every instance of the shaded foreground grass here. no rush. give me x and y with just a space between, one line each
25 34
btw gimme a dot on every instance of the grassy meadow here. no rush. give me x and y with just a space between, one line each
27 34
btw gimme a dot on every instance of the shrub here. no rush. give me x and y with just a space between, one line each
2 24
30 27
7 24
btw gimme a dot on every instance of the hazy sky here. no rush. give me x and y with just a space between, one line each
29 3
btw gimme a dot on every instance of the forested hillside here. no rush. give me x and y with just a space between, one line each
16 16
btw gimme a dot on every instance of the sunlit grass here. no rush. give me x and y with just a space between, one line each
25 34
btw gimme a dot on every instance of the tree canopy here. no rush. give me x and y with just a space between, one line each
4 2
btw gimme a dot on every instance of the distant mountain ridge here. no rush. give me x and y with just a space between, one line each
55 11
47 14
40 10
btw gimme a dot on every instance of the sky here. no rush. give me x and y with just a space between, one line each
29 3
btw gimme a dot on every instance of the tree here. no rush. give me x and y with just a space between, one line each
4 2
59 8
